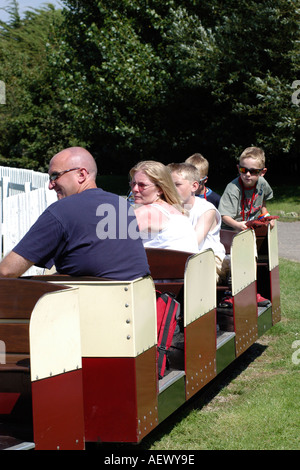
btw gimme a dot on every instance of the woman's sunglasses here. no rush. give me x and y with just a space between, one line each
141 186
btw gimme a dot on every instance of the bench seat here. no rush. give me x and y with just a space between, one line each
16 362
167 269
18 298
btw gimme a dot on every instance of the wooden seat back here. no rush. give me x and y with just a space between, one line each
226 237
167 268
18 298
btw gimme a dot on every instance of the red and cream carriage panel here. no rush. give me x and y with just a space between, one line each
118 340
274 271
243 281
56 371
200 321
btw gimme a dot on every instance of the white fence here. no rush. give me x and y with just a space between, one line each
24 195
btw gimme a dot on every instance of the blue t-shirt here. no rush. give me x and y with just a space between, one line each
93 233
211 196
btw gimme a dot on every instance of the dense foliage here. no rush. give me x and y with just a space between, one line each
26 121
151 79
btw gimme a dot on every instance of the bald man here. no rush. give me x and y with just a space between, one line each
87 232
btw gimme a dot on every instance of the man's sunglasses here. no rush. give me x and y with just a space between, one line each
57 174
252 171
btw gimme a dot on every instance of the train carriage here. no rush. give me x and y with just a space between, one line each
78 356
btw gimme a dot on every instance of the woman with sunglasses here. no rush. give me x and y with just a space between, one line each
158 208
245 197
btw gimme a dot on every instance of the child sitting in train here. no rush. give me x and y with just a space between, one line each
201 163
244 199
204 216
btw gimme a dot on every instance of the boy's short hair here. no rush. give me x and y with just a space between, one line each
199 162
186 171
256 153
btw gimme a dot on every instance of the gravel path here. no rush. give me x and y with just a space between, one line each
289 240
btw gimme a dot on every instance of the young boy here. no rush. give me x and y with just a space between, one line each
202 165
245 197
204 216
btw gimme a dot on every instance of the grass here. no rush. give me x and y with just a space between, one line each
286 202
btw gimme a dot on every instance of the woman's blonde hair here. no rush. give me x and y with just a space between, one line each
159 174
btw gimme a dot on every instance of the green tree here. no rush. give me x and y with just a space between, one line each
160 79
258 61
28 121
139 79
133 77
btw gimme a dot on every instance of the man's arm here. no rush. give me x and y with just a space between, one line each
14 265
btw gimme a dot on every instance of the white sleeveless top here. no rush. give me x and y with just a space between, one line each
212 240
178 234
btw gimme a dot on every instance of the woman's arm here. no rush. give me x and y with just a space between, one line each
150 219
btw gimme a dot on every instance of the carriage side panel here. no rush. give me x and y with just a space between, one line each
120 397
274 272
118 332
243 273
200 353
200 321
56 372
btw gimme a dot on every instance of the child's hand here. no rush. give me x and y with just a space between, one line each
241 225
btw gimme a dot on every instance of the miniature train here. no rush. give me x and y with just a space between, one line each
78 356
